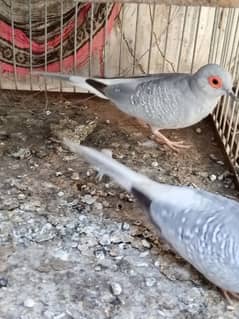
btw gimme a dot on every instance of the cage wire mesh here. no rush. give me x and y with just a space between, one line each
119 39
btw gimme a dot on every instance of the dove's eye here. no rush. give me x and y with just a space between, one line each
215 82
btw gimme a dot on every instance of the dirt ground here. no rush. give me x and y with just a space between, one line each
76 247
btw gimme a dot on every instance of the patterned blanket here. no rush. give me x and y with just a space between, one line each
37 40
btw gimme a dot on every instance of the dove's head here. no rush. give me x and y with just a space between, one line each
214 81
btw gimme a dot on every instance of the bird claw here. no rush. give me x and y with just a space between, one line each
179 144
174 145
229 295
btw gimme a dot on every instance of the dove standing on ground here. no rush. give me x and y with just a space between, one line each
161 101
200 226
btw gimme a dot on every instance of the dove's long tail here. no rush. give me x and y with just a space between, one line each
141 186
80 81
95 86
123 175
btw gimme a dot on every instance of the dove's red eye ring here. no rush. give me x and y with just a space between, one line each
215 82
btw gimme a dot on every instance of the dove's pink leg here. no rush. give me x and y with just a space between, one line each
229 294
160 138
226 295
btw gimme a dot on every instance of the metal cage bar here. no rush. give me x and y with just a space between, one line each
45 41
166 38
196 38
135 38
61 41
91 38
75 42
163 21
182 38
30 40
13 45
152 18
121 39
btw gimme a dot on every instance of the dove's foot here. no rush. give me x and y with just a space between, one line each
160 138
228 295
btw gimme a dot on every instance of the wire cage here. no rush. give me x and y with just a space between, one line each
102 38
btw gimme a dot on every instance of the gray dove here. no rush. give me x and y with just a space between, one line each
200 226
161 101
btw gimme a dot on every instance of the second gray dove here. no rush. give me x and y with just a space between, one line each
200 226
161 101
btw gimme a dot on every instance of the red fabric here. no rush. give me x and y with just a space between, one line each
82 55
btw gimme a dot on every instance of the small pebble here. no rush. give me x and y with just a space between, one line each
98 268
144 254
22 153
105 204
146 244
3 282
125 226
150 282
3 135
48 112
116 289
142 264
212 177
21 196
58 174
88 199
203 174
221 177
155 164
60 194
105 240
213 157
29 303
230 308
88 173
99 254
113 252
98 206
75 176
198 130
